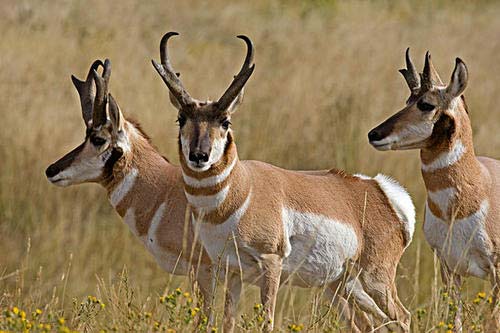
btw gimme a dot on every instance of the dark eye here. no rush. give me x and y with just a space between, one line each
97 141
225 123
425 106
181 120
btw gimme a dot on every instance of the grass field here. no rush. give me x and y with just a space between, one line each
326 73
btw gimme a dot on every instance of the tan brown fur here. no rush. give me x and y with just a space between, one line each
157 183
252 206
472 183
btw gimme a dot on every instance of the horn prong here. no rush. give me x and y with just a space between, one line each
168 74
241 78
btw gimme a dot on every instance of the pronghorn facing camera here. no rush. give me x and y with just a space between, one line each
462 212
144 188
275 225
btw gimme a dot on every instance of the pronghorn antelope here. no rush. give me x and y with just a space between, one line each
463 191
144 188
273 224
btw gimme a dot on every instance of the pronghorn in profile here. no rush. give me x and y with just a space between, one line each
274 224
144 188
462 212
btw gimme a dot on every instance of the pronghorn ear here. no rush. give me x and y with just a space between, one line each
236 102
87 103
115 115
459 79
174 100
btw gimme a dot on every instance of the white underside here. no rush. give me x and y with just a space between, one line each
316 247
463 245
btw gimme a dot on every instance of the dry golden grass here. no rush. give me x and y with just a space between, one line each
326 72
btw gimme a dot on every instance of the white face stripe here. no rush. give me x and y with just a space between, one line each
443 198
446 159
410 134
208 202
123 187
155 222
218 147
216 153
209 181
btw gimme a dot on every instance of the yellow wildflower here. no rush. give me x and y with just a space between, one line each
441 324
450 326
481 294
489 300
476 300
178 291
295 328
162 299
147 314
61 321
186 294
15 310
38 311
257 306
103 305
193 311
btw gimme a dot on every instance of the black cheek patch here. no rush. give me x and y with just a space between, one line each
443 129
116 154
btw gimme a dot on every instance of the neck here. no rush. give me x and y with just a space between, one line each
140 182
451 172
216 192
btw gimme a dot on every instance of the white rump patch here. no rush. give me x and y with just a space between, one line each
400 201
209 181
208 202
364 177
316 246
446 159
123 187
462 244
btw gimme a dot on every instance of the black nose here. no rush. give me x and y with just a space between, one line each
52 170
375 135
198 156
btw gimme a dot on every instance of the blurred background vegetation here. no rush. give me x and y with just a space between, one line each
326 73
